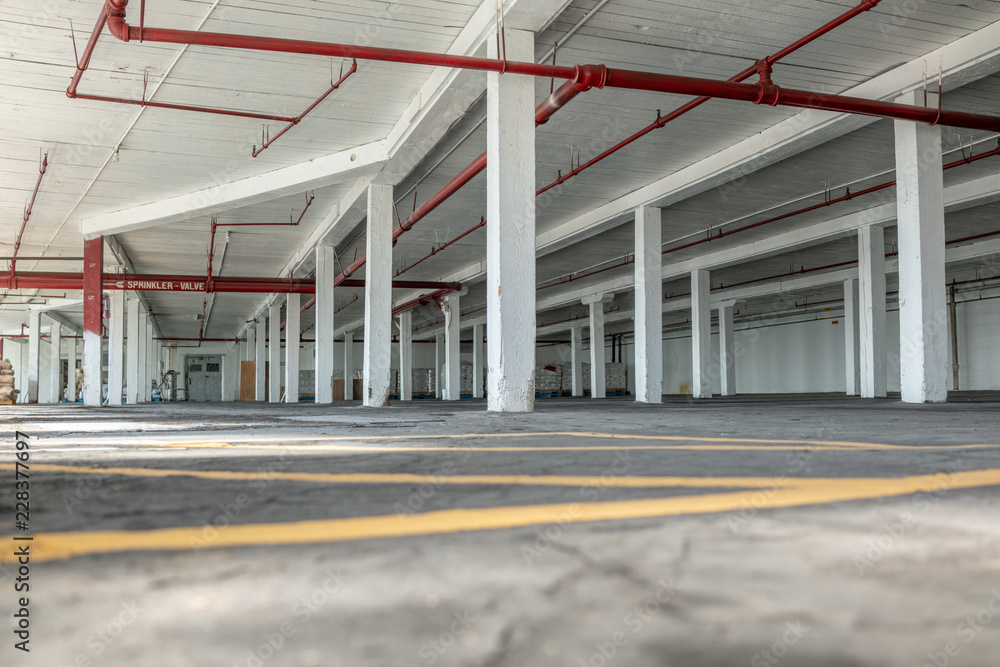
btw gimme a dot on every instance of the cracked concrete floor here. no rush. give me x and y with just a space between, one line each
760 530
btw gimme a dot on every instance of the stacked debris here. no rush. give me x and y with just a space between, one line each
7 392
79 384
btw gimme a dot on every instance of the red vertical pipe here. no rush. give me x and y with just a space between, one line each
93 264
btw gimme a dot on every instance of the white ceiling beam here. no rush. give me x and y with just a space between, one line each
318 173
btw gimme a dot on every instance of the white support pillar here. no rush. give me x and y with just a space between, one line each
576 359
452 348
598 374
871 307
274 352
116 347
150 359
249 350
648 306
727 350
133 380
701 334
406 356
55 362
477 360
34 342
325 275
292 330
378 297
851 341
349 366
71 370
260 359
440 377
143 375
93 353
510 236
923 303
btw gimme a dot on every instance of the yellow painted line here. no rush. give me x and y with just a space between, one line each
710 443
484 449
59 546
608 480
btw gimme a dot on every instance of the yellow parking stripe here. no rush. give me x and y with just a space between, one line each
58 546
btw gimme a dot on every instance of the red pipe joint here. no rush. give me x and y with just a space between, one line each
590 76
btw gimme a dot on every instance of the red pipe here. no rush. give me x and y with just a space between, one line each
181 107
295 121
216 225
27 214
846 197
661 121
543 112
189 284
583 76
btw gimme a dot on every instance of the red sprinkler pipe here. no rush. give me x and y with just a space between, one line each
846 197
182 107
191 284
295 121
215 225
27 214
693 104
543 112
582 76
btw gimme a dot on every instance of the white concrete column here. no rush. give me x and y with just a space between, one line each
598 374
325 275
93 352
477 360
143 357
116 347
349 366
871 308
648 306
923 303
701 334
249 349
150 360
133 380
293 329
727 350
851 342
406 356
55 362
440 377
510 236
34 343
576 359
274 352
452 348
71 370
260 359
378 297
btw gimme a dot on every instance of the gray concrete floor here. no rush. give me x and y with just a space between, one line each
715 575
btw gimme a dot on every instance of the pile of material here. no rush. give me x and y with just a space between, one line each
7 392
79 384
